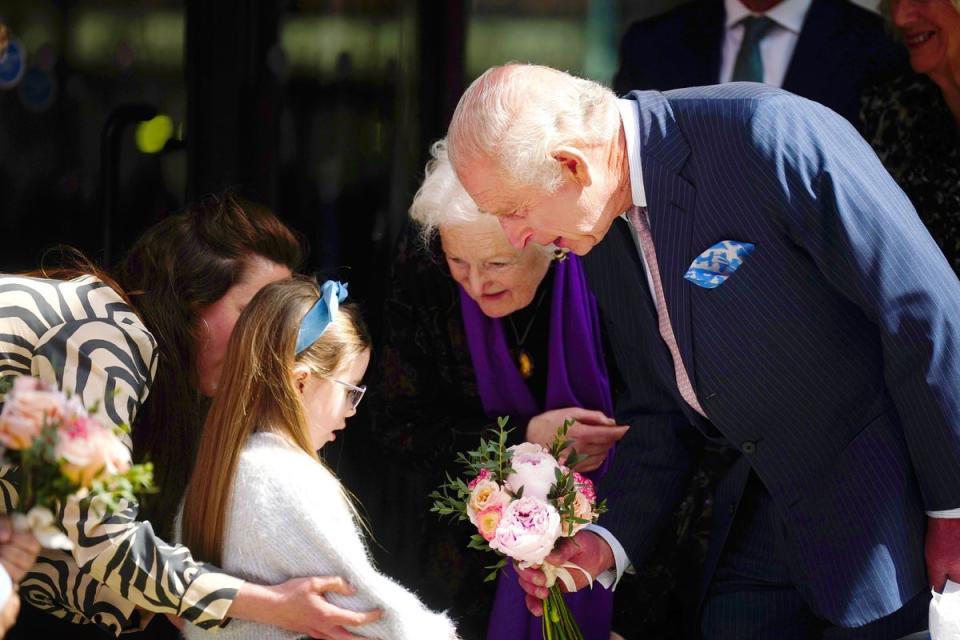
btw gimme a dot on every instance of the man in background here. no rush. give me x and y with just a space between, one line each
824 50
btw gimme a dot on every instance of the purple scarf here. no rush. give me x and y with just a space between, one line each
576 377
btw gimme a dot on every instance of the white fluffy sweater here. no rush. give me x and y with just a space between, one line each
287 518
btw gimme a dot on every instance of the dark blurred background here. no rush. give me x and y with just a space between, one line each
322 109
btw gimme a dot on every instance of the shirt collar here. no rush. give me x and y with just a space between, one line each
789 14
630 117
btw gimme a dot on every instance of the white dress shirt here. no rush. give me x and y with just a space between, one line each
777 46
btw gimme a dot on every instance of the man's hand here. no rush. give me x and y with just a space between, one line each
299 605
592 432
942 551
586 550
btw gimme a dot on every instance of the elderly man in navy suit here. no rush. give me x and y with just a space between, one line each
779 294
825 50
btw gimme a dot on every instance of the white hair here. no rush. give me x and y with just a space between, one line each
441 199
518 115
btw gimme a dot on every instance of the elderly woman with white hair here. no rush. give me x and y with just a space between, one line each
475 329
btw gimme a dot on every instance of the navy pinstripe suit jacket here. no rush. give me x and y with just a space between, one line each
831 357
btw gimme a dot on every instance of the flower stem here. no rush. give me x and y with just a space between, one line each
557 622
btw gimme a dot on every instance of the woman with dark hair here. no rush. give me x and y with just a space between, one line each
188 277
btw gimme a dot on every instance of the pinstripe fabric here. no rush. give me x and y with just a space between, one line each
81 335
831 357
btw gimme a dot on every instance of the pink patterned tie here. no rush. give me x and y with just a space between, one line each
639 219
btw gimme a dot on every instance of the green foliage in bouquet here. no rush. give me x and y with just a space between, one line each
492 456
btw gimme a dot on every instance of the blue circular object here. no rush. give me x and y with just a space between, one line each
12 64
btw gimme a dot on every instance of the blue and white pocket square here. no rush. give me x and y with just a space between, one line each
712 267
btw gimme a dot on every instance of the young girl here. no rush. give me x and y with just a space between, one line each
260 504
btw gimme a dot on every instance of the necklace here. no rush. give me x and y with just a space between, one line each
520 355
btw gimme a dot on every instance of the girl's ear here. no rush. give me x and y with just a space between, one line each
299 375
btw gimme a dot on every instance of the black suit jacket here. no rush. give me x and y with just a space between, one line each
843 48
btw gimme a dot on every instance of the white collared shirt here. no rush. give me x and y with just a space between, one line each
778 44
630 118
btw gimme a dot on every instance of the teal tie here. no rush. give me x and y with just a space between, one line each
749 64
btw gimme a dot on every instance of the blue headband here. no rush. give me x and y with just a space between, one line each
321 314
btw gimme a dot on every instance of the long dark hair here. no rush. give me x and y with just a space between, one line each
172 272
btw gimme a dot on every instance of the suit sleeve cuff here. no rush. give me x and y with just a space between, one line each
611 577
947 513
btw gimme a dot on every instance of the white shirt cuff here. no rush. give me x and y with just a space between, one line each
611 577
948 513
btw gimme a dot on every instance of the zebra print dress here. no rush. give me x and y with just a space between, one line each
82 336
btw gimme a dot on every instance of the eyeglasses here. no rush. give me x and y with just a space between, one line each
354 393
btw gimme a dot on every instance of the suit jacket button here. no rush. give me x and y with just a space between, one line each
748 448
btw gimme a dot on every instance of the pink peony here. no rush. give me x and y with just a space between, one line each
29 405
534 469
527 531
86 450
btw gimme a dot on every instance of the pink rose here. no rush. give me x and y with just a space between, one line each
483 475
527 531
534 469
582 508
29 405
585 486
87 450
486 493
488 520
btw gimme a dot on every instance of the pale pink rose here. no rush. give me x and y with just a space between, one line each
28 406
86 450
585 486
485 493
488 520
527 531
582 508
534 469
28 383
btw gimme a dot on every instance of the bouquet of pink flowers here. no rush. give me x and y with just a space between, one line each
62 452
522 499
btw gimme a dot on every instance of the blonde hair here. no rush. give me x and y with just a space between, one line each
257 393
517 115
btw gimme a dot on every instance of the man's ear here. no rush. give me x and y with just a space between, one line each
299 376
574 165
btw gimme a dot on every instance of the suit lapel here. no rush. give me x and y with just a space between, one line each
670 206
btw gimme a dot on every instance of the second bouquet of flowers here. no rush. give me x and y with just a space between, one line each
522 499
62 451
